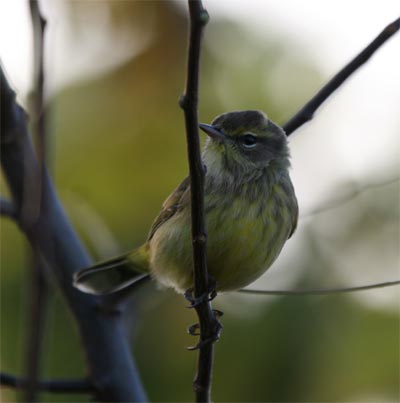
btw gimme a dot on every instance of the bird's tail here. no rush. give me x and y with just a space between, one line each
115 274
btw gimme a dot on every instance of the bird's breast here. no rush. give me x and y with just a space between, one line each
246 230
244 239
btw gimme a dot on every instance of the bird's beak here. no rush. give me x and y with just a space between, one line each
211 131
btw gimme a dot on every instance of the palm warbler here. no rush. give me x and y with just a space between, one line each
250 208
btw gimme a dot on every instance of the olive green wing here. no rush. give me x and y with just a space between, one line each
174 202
289 203
295 217
294 211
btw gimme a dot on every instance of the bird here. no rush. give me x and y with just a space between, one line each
250 209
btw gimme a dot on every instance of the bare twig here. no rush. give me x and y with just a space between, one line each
110 364
38 291
56 386
189 103
347 198
39 26
306 113
325 291
37 309
7 209
321 291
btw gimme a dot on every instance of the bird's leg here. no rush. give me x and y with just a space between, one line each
193 329
214 333
209 295
215 327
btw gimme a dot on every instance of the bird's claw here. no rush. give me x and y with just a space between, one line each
218 314
214 334
207 296
193 330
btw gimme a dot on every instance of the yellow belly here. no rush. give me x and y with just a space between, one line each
243 241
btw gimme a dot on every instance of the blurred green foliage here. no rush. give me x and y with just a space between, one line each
118 150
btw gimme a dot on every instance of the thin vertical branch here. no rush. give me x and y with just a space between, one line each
306 113
38 297
189 103
39 24
38 291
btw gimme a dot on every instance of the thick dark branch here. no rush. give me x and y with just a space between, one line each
7 209
322 291
307 112
189 103
110 364
56 386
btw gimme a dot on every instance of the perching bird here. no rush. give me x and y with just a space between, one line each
250 211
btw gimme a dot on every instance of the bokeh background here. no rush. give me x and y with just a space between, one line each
115 70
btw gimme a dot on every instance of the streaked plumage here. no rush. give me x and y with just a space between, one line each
251 210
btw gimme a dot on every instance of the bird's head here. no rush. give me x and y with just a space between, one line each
243 142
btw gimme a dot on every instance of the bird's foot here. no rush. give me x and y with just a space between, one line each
218 313
194 330
214 331
207 296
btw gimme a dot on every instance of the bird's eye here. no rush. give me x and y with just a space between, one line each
249 141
